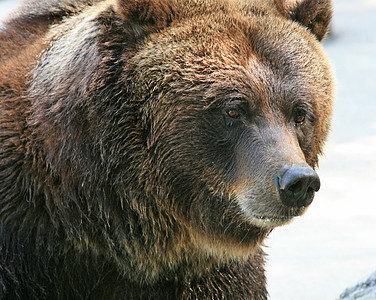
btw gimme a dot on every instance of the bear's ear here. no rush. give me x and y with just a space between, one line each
157 13
313 14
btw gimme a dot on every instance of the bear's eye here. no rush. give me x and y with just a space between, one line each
234 114
299 119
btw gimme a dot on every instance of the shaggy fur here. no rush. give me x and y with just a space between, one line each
140 141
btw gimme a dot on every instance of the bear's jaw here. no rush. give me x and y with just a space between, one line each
268 221
265 211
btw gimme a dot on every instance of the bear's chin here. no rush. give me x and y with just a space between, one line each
262 216
269 222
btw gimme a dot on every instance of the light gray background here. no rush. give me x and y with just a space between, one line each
334 244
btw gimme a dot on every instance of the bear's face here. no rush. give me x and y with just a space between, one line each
235 109
221 108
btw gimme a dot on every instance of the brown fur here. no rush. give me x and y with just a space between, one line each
122 172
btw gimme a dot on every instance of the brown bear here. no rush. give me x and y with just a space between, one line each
148 147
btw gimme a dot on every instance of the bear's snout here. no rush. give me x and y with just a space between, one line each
296 185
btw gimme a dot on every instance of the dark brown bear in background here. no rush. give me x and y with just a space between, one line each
148 147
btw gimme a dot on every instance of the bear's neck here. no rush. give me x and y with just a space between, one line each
246 278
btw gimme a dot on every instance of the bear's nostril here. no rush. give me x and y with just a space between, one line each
297 185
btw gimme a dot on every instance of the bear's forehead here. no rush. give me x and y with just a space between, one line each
227 44
257 59
228 69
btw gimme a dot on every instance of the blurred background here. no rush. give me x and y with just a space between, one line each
333 245
7 6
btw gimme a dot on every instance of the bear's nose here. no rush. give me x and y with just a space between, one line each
297 185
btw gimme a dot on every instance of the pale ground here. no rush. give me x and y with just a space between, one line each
334 244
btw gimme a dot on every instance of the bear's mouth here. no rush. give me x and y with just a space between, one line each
263 221
271 218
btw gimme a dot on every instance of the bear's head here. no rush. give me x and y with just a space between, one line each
202 119
237 102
